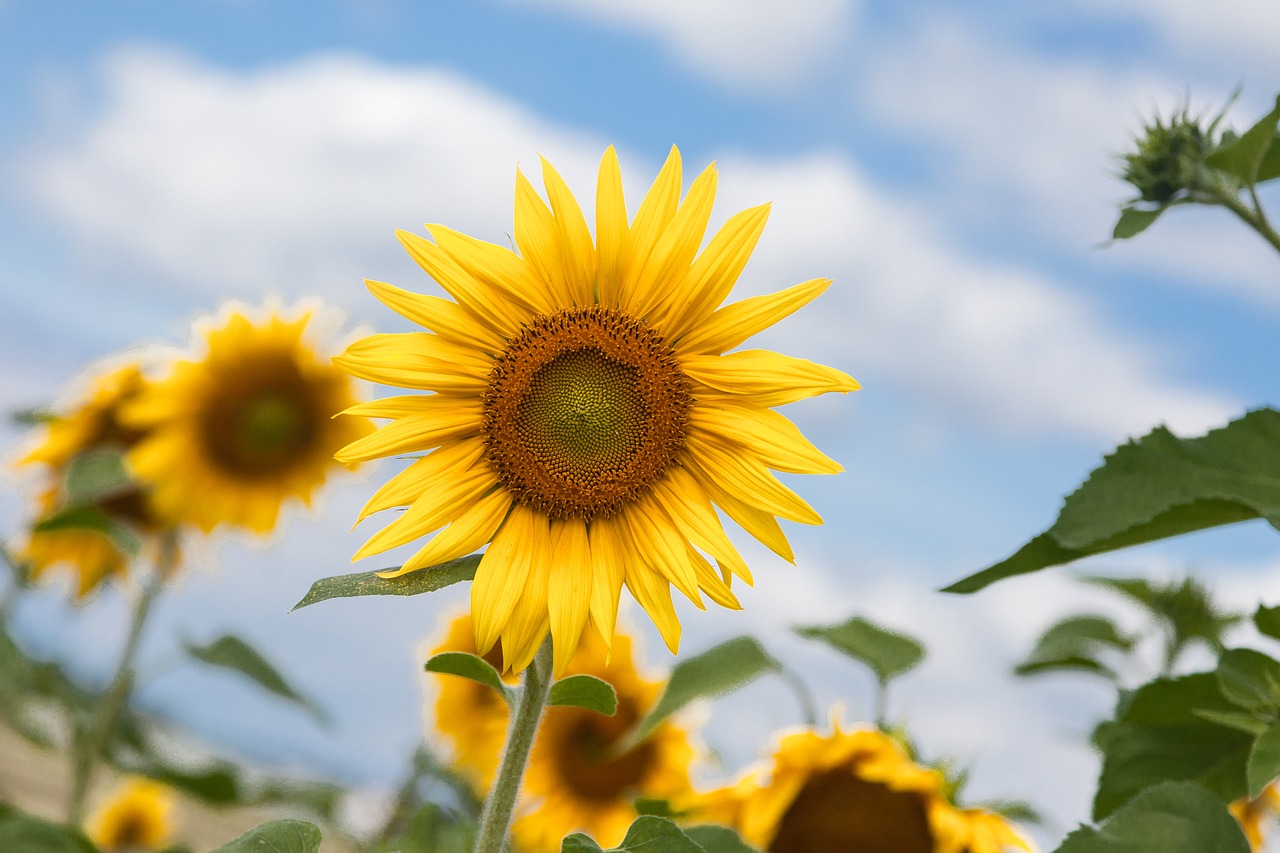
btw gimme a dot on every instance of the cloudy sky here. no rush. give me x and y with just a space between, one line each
953 169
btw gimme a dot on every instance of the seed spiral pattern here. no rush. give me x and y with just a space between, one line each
584 411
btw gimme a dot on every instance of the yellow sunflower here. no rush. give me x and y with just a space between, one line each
587 415
856 790
574 782
235 433
1254 814
139 816
91 425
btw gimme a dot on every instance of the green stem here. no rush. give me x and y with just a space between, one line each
91 742
495 820
1255 218
808 709
881 708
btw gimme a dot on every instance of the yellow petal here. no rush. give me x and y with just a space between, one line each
711 583
657 282
442 465
496 266
746 478
447 319
769 436
500 577
569 589
733 324
659 545
527 627
655 213
576 251
653 593
433 509
449 420
404 405
688 504
716 271
465 535
490 304
608 567
767 378
613 238
760 524
417 360
538 240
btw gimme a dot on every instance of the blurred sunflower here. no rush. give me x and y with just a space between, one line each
235 433
855 790
137 817
1254 814
586 417
575 780
91 425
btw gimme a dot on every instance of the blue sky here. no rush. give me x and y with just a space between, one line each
951 167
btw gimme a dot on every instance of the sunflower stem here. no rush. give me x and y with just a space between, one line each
495 820
91 741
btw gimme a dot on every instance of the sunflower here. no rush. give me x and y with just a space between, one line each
92 424
576 780
1253 814
139 816
237 432
587 415
856 790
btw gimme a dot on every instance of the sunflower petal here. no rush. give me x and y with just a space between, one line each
501 576
496 266
716 271
433 509
653 593
711 582
767 378
666 267
411 434
613 238
470 530
444 464
608 568
733 324
773 439
538 240
687 503
528 625
760 524
447 319
576 250
749 480
655 213
569 589
660 546
480 299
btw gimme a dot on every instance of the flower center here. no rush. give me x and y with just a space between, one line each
258 426
836 810
585 761
584 411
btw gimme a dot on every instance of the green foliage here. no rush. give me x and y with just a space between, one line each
658 835
1264 761
1173 817
414 583
92 518
1250 679
476 668
1133 221
97 475
1074 643
1267 621
716 671
718 839
888 653
278 836
23 833
1185 611
1159 734
233 653
1243 157
585 691
1157 487
431 829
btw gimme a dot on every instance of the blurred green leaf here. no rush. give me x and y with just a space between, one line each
1264 761
414 583
1172 817
235 654
1243 157
716 671
888 653
1186 609
1158 735
1250 679
92 518
651 835
218 785
278 836
1133 221
654 806
1073 643
585 691
95 475
1267 621
470 666
1269 168
1015 810
320 798
24 833
1241 721
1157 487
431 829
33 417
718 839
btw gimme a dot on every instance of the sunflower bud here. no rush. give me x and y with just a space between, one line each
1170 159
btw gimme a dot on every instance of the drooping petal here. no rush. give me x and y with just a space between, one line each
687 503
529 622
444 464
608 569
500 577
733 324
433 509
711 583
767 378
760 524
659 545
653 593
569 589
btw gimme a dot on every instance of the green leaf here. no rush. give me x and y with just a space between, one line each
1243 157
1186 608
580 843
585 691
1133 221
278 836
1159 735
23 833
431 829
95 475
1267 621
1250 679
888 653
414 583
716 671
1072 644
1157 487
467 665
656 835
655 806
33 417
1264 761
718 839
233 653
1173 817
1269 168
92 518
218 785
1238 720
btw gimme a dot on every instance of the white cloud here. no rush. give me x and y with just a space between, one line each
767 43
293 178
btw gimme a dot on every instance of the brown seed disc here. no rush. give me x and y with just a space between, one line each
584 411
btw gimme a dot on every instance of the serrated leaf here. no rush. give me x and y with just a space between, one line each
718 839
466 665
1172 817
888 653
656 835
1264 761
414 583
92 518
23 833
1072 643
1159 735
585 691
716 671
1243 157
1249 679
1133 221
278 836
579 843
232 653
1157 487
95 475
1267 621
1238 720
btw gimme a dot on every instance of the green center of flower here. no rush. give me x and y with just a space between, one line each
584 411
260 428
836 810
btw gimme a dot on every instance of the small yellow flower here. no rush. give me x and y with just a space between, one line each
138 817
856 790
591 410
1254 814
574 782
249 424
